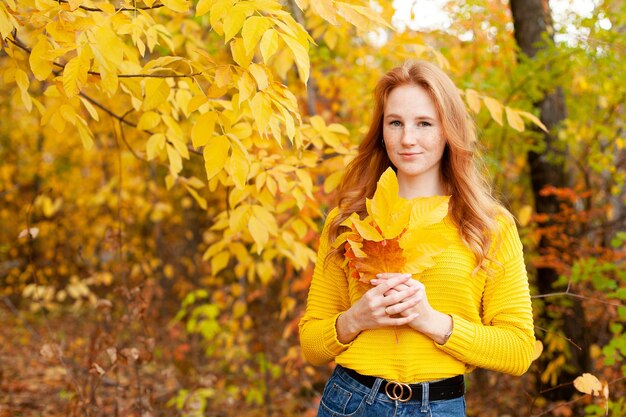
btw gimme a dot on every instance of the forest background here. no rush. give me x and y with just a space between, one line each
167 165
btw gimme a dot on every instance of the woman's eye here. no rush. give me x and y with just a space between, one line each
395 123
423 124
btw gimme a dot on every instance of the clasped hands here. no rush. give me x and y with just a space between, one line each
394 300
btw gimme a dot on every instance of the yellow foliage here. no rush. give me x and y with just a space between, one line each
239 173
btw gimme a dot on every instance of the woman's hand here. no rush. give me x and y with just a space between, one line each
426 319
374 308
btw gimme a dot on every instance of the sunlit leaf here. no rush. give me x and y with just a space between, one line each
215 155
300 55
239 53
148 120
473 100
176 5
253 29
325 9
157 91
534 119
514 119
269 45
588 384
259 232
495 109
202 130
203 7
40 59
75 74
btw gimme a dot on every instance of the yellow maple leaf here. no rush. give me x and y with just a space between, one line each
389 211
383 256
394 236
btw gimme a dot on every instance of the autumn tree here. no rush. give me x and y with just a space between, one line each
533 30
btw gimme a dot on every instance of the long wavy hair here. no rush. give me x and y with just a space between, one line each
473 209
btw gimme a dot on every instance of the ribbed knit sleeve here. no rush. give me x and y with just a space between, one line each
504 341
328 298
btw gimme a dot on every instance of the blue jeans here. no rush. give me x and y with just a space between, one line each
344 396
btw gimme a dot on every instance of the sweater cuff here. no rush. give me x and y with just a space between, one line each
330 339
462 338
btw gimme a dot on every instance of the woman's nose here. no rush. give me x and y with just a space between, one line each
409 136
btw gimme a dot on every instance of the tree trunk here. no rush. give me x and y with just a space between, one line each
532 25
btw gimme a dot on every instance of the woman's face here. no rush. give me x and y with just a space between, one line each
414 141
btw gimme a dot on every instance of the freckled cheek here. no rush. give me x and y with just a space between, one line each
391 136
433 142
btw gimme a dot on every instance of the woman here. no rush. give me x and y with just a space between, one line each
402 344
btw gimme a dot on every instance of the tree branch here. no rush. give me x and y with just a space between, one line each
121 9
122 119
560 335
25 48
582 297
572 401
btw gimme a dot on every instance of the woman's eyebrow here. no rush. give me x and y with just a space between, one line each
420 117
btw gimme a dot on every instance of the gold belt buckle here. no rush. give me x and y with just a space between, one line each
397 391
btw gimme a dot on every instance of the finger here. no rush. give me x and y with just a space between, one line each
389 275
397 297
403 305
401 321
387 284
397 288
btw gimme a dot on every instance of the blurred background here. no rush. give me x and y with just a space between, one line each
166 166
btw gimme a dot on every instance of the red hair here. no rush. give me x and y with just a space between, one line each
472 206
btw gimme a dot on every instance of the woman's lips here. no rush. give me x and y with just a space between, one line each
409 155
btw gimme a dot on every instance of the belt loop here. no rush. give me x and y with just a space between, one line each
425 393
371 396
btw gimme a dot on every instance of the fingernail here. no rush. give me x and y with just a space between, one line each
408 275
379 275
373 281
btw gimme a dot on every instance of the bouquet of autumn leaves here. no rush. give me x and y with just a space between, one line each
393 237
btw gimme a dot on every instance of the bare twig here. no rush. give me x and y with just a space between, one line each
18 315
120 9
560 335
130 148
122 119
582 297
548 411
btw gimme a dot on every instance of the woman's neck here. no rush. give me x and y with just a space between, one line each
414 187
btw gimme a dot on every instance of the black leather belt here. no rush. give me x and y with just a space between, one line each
445 389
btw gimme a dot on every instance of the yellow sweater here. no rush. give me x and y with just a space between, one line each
493 323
